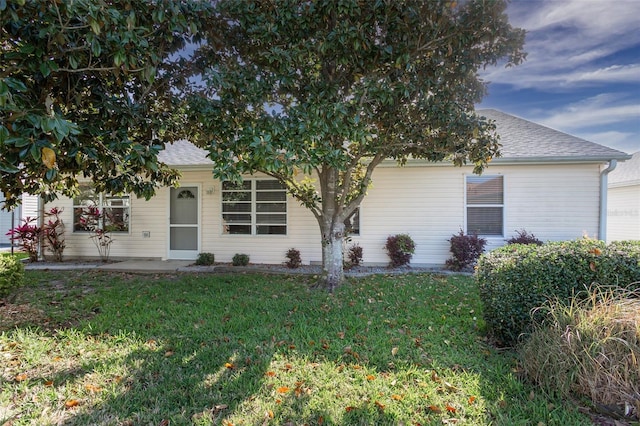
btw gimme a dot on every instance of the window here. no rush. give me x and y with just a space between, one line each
92 210
485 205
254 207
352 223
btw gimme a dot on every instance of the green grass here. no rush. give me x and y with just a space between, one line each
119 349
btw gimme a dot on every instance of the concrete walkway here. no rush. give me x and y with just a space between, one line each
134 266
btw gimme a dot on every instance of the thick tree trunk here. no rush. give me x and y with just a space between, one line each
332 256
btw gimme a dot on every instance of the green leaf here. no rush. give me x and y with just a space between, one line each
15 84
44 69
95 26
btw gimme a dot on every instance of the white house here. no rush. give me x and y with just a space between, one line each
623 211
546 182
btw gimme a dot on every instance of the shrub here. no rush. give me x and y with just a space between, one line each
523 237
11 275
53 230
28 237
589 348
465 251
515 279
205 259
293 259
240 259
354 256
400 249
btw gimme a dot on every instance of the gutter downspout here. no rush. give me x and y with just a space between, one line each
602 231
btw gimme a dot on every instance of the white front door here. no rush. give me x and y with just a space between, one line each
184 223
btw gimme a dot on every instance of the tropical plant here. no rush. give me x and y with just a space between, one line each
28 237
92 220
53 231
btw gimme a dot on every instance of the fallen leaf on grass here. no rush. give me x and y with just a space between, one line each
229 366
451 408
270 374
396 397
379 405
435 409
283 389
349 408
472 399
93 388
371 377
21 377
71 403
394 351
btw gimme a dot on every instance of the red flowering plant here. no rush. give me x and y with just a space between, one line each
27 235
53 230
92 219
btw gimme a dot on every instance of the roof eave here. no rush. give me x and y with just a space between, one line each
563 159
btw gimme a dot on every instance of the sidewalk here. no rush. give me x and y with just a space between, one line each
133 266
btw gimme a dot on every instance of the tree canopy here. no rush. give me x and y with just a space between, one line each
317 94
88 88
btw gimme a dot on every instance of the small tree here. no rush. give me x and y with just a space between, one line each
318 94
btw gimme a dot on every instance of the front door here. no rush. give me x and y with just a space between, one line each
184 223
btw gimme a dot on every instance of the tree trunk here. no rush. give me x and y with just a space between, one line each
332 256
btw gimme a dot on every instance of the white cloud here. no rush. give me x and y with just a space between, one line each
568 40
597 111
624 141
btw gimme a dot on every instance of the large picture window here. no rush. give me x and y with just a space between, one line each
485 205
92 210
254 207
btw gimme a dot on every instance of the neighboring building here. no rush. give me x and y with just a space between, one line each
546 182
8 220
623 211
11 219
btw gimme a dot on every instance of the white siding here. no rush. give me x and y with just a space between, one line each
623 213
427 202
8 220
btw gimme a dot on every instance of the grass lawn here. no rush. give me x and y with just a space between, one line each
117 349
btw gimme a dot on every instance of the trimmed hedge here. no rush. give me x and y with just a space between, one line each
11 275
515 279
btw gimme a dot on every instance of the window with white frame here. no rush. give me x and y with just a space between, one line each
485 205
254 207
92 210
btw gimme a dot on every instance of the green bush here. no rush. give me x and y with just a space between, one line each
205 259
240 259
11 275
517 278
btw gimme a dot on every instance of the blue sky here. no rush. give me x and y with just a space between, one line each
582 73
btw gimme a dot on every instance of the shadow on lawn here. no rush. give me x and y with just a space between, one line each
203 351
201 362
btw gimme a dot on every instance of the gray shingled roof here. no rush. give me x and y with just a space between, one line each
627 173
524 140
184 153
